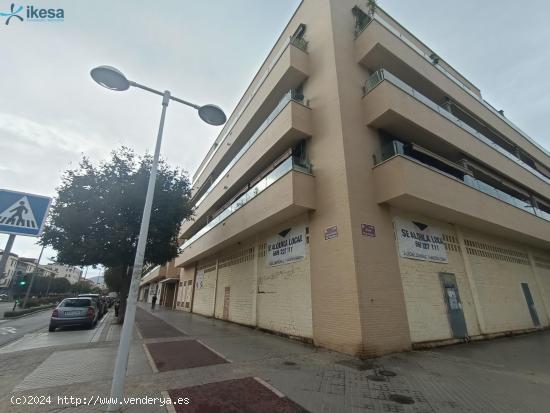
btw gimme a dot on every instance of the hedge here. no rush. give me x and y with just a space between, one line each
17 313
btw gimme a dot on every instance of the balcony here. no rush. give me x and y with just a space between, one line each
155 274
288 68
383 44
394 106
289 123
161 272
408 184
287 191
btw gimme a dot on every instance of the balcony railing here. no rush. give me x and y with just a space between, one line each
398 149
298 42
380 75
289 96
454 79
286 166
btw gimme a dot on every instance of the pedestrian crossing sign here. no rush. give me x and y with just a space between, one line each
22 214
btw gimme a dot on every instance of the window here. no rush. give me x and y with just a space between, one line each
77 302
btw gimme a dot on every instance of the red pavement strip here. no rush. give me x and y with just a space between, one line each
153 327
182 354
246 395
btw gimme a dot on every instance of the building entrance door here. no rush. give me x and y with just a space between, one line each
530 304
454 305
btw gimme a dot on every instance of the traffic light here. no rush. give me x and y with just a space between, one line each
22 281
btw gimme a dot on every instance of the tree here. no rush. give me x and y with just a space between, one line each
96 215
371 8
113 277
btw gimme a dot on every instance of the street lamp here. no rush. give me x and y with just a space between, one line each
114 79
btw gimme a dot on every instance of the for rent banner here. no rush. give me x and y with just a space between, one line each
419 241
287 246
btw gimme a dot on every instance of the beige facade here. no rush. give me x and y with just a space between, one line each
162 281
72 274
9 272
365 198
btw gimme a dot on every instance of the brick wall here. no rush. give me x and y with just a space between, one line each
284 295
276 298
426 308
205 287
236 272
499 267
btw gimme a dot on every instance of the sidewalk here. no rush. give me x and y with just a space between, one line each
475 377
223 367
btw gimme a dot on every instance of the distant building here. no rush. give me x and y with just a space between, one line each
71 273
11 265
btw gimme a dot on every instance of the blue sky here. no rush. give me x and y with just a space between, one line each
51 111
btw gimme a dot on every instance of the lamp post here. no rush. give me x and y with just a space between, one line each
113 79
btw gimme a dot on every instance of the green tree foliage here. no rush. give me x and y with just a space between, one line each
96 215
41 286
371 7
113 278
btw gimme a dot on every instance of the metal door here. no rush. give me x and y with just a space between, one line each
454 305
530 304
226 296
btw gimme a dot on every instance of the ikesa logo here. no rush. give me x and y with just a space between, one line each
33 14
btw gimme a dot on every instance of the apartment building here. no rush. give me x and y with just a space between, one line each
9 272
162 281
363 196
72 274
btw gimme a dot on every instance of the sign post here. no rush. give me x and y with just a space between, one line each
21 214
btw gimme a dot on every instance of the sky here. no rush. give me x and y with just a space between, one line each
52 113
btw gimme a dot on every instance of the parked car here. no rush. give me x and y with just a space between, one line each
74 311
101 305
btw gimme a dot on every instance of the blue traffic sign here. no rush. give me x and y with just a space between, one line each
23 214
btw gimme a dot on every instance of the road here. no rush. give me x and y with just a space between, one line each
11 330
32 332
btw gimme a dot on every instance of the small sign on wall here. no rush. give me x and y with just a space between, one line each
368 230
419 241
287 246
331 232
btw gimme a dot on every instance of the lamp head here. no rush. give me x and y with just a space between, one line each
110 78
212 115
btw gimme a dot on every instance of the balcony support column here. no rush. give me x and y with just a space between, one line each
539 284
471 282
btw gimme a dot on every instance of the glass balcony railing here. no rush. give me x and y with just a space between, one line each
289 96
286 166
380 75
453 78
484 187
397 148
298 42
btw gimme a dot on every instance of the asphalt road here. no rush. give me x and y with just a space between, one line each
13 329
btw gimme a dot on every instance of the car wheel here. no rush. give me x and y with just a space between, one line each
51 329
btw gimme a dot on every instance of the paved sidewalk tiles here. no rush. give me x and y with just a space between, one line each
81 366
150 326
182 354
247 395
